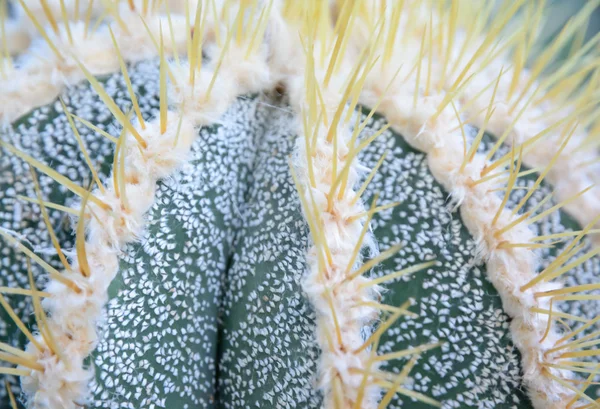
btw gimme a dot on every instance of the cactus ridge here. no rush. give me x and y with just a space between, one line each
439 82
144 153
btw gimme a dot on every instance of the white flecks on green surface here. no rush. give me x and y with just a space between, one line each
208 308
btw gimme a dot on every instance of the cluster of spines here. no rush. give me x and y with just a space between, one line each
326 171
74 33
52 367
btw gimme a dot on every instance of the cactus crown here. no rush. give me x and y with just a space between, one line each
346 204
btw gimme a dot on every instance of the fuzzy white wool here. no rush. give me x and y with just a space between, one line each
336 297
444 167
251 72
62 384
283 41
540 400
164 153
339 232
408 119
72 312
322 154
587 206
456 183
174 41
104 261
38 81
527 123
567 174
94 50
332 94
25 89
352 294
193 101
55 8
509 270
17 37
345 299
118 225
532 121
528 342
515 302
74 317
341 365
390 80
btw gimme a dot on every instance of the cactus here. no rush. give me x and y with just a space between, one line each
346 204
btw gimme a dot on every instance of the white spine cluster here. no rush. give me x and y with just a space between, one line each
20 30
575 169
42 75
340 297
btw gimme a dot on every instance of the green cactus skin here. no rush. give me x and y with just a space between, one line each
208 309
226 233
183 253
